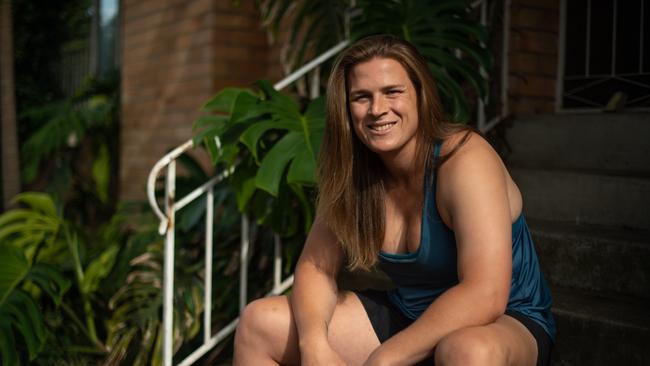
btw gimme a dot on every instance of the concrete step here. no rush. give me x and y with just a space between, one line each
610 142
585 197
595 258
594 330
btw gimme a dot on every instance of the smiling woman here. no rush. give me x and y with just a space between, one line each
383 107
433 206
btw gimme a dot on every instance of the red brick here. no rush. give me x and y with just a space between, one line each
532 86
533 41
529 106
533 63
536 19
175 55
236 21
166 30
540 4
241 37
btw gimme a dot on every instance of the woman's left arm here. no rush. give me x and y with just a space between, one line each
473 197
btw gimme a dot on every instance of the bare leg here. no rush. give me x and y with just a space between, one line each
504 342
266 334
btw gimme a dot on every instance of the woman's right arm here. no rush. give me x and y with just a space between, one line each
315 292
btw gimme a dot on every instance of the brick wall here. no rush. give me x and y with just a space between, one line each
175 55
533 57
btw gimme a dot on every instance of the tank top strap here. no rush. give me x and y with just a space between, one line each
436 149
430 185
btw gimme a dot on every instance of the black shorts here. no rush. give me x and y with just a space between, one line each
387 320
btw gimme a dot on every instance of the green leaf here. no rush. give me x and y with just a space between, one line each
252 134
18 214
279 104
307 205
13 268
272 168
101 173
7 343
37 201
316 109
243 181
303 167
210 120
98 269
50 280
27 319
246 106
224 100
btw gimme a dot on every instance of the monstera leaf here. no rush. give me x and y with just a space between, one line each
451 42
315 26
20 316
271 143
442 30
248 119
298 148
29 227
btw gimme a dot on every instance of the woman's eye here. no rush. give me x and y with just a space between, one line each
394 92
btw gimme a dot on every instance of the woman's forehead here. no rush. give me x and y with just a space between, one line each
377 71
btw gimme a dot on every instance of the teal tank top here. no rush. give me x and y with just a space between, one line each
421 276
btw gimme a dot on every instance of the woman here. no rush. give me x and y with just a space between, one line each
433 205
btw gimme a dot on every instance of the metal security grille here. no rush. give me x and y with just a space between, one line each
604 54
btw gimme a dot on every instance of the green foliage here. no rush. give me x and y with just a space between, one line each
35 228
19 311
439 29
65 124
134 330
42 31
274 145
315 26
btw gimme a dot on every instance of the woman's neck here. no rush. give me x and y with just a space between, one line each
403 170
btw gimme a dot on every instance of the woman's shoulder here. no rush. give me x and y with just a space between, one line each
472 161
472 176
466 145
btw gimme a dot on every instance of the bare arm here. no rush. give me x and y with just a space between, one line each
472 192
315 292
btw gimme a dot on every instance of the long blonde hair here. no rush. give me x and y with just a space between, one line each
351 177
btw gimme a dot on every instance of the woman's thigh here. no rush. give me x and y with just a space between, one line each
350 332
504 342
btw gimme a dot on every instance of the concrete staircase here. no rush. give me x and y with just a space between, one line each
585 179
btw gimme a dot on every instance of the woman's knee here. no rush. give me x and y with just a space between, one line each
262 319
469 346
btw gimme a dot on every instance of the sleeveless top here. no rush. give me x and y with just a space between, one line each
421 276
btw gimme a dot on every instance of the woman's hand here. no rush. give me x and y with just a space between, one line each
321 354
381 357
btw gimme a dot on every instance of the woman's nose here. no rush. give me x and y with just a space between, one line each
379 106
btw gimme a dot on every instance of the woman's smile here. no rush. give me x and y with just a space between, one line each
381 127
383 106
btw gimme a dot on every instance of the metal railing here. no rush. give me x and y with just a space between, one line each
579 87
167 228
172 205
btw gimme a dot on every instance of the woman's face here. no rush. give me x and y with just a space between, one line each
383 105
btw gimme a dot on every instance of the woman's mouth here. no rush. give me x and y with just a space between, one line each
380 127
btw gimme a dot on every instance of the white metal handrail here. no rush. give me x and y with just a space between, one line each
167 228
167 217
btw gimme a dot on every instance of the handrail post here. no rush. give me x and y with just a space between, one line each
207 311
277 263
243 262
168 292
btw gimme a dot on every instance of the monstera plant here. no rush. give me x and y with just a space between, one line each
442 30
274 142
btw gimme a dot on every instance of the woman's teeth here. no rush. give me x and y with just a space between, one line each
381 127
